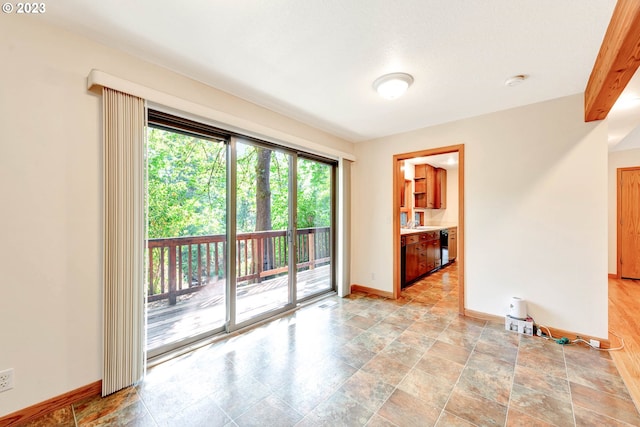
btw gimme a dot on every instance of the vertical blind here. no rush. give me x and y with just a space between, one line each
124 235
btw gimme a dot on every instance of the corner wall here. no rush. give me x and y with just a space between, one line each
535 209
617 159
51 193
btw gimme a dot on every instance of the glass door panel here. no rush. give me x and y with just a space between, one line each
262 224
186 202
314 232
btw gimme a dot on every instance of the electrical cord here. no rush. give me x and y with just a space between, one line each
567 341
577 340
548 331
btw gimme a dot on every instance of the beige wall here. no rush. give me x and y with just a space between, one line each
617 159
535 208
51 193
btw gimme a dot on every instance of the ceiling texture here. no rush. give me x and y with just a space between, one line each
316 60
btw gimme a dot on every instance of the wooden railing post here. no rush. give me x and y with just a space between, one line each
172 275
150 271
162 274
208 275
260 261
312 251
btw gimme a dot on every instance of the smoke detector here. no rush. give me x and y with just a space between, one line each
515 80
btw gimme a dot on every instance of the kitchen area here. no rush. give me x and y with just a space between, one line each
428 215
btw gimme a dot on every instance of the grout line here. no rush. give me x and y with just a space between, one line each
513 380
566 372
450 321
73 412
145 406
399 309
460 375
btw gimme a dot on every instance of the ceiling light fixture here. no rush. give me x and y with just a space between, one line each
515 80
391 86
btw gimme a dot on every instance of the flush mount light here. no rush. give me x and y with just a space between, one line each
515 80
391 86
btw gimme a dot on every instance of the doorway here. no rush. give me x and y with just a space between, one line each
628 220
399 188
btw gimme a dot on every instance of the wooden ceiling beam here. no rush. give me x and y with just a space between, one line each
617 61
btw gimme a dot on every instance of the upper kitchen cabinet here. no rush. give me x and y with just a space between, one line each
404 189
430 186
406 199
423 186
441 189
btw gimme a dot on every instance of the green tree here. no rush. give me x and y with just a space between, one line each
186 182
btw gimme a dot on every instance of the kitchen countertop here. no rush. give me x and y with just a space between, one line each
424 228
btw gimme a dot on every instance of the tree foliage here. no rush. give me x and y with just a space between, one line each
314 194
187 187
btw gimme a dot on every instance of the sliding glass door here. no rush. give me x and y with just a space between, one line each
186 204
239 230
263 224
314 227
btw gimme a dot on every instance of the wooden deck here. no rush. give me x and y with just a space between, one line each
204 310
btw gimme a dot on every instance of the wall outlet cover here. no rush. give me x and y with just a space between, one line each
6 380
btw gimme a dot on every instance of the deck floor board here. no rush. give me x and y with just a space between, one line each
205 310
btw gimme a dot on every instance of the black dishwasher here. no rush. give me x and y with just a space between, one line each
444 246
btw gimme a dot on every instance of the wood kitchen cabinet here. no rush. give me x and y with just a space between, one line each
420 186
422 255
430 187
433 254
412 258
441 189
453 243
405 190
431 246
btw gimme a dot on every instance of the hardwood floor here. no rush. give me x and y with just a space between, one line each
624 322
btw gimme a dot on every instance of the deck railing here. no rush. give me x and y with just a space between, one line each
182 265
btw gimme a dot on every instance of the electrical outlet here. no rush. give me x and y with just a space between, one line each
6 380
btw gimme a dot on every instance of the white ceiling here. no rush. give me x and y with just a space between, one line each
624 118
447 161
315 60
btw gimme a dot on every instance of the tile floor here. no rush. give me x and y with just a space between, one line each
370 361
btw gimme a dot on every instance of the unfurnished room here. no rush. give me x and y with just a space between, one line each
320 213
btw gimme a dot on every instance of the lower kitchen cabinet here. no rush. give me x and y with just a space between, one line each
422 255
412 262
434 254
453 243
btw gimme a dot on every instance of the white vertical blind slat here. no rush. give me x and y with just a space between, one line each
124 235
